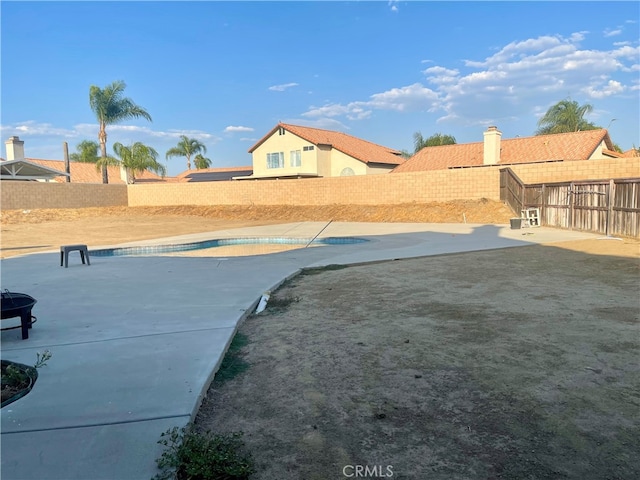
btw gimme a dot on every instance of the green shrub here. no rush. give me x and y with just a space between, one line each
202 456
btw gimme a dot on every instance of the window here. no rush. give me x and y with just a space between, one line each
295 158
275 160
281 131
306 149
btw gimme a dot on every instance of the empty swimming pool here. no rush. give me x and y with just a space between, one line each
286 243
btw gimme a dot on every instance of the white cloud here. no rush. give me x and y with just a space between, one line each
612 87
412 97
612 32
331 110
33 128
168 134
519 76
578 36
536 68
283 87
37 129
231 128
393 5
323 122
439 75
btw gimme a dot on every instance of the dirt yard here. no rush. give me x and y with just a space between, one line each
519 363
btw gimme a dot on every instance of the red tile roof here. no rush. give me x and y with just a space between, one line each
561 146
632 152
87 172
357 148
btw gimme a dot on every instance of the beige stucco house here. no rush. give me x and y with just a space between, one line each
292 151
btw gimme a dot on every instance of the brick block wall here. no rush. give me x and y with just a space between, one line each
381 189
391 188
578 170
394 188
33 195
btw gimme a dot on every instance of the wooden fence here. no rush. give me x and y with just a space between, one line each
610 207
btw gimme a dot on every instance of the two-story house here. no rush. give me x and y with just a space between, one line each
292 151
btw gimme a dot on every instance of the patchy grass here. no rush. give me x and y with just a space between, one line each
326 268
233 363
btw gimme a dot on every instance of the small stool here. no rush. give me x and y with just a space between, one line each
64 254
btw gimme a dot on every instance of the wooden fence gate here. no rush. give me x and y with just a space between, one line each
610 207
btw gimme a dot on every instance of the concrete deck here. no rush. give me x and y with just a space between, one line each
136 340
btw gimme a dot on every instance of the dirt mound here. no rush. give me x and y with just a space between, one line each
470 211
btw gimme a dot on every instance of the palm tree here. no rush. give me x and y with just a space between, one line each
564 117
87 152
111 107
138 158
185 148
434 140
201 161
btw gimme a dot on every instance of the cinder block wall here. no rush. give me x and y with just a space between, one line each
578 170
33 195
382 189
392 188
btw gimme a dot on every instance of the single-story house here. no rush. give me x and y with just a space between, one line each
16 167
585 145
292 151
54 170
87 173
26 170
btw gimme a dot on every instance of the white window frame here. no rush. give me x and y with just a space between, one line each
295 158
275 160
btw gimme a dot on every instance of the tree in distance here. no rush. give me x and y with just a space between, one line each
201 162
186 148
87 152
111 107
138 158
564 117
434 140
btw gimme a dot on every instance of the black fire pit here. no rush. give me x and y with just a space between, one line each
18 305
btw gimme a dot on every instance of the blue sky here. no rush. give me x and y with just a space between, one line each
227 72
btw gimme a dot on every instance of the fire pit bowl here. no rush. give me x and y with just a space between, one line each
15 304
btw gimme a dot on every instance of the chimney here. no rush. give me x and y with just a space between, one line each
125 175
492 146
15 149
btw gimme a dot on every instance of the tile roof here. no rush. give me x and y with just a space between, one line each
632 152
357 148
87 172
561 146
